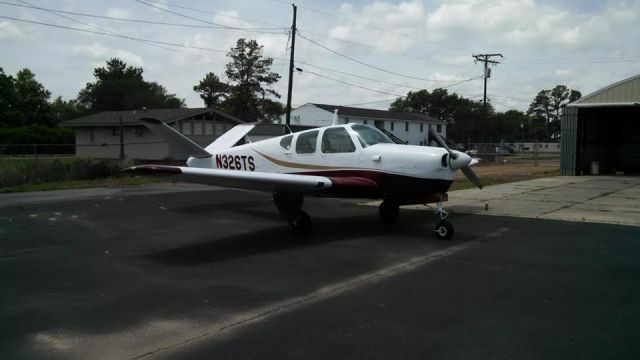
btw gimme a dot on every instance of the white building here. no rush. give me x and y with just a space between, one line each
412 128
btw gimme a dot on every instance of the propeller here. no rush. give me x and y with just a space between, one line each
458 160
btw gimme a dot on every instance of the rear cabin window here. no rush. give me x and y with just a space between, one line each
285 142
337 140
306 143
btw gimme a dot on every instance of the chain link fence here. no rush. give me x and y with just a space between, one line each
544 154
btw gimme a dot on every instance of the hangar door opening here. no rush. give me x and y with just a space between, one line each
610 137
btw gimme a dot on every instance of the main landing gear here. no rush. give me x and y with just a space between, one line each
390 209
290 207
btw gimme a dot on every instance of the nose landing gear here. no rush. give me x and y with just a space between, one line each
444 229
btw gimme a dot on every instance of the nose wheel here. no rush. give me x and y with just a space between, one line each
444 230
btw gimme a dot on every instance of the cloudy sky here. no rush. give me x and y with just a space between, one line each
352 52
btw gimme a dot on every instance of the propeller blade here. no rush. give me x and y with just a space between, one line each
442 143
471 176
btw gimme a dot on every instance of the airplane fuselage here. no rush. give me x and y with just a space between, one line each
407 173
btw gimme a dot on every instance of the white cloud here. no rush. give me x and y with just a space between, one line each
523 23
400 19
9 31
118 13
96 51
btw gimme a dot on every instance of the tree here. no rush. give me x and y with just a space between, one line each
463 116
9 115
547 107
32 99
250 75
212 90
119 86
508 126
65 110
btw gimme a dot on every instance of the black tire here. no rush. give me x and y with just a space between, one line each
389 211
444 230
301 225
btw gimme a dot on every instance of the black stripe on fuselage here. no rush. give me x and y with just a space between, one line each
389 185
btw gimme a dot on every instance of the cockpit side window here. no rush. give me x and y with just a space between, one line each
306 143
337 140
285 142
370 136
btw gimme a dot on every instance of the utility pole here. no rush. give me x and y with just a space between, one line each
293 47
486 59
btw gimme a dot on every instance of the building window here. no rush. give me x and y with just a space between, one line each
421 127
197 129
439 128
392 125
186 128
208 129
406 126
219 128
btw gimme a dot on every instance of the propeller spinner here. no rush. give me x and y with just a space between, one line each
458 160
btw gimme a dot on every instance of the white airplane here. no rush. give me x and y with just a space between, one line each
346 161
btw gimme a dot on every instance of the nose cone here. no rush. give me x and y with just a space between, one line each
460 161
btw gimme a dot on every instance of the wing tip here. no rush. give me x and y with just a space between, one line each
153 169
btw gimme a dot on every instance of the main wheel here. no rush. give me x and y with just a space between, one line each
444 230
389 211
301 225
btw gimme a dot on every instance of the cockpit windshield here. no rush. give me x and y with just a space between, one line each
370 136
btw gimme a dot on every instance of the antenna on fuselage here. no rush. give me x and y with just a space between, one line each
335 117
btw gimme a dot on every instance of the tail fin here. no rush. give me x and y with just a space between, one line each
174 138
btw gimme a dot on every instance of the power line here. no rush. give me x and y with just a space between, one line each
398 53
225 15
94 26
373 102
355 75
350 84
141 21
196 19
113 35
369 65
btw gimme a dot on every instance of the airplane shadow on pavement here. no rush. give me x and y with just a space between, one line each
412 225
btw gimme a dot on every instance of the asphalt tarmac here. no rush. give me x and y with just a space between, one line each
186 272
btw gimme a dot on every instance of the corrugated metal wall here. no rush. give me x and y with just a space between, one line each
569 141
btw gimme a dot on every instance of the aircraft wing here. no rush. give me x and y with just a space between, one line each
255 180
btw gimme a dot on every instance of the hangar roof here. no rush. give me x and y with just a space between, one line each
622 93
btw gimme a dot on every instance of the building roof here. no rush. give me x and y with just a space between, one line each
377 114
622 93
130 117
